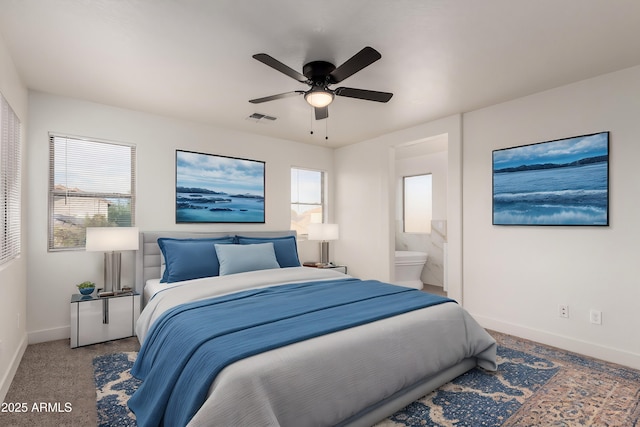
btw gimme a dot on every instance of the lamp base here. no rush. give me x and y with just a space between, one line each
324 252
112 267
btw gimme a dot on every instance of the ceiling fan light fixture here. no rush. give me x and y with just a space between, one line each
319 98
319 75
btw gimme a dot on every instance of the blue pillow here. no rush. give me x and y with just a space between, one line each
240 258
285 248
187 259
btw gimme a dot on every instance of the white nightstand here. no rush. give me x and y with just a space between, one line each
340 268
95 319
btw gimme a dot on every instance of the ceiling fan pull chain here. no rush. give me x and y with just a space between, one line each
311 122
326 129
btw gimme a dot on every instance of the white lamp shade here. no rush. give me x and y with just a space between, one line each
319 98
106 239
323 232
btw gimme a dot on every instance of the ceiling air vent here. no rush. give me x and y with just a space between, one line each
261 118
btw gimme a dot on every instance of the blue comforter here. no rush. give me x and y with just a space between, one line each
189 345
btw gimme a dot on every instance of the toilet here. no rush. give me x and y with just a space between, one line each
408 268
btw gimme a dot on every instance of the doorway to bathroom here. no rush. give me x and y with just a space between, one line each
421 170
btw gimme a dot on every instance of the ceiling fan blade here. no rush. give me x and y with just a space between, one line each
369 95
274 97
277 65
357 62
322 113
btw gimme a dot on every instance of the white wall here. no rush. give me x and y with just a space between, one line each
515 277
365 198
52 275
13 275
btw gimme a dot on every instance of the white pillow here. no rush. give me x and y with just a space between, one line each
240 258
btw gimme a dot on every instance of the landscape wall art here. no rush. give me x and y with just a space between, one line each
561 182
213 188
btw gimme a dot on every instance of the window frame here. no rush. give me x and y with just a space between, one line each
52 193
323 195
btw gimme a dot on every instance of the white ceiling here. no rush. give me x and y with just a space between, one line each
191 59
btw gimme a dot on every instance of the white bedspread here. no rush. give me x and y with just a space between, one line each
325 380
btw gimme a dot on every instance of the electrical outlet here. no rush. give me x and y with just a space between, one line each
563 311
595 316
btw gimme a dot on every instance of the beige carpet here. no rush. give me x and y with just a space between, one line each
57 379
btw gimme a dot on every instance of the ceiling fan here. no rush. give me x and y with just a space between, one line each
320 75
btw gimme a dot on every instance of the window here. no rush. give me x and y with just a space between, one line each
417 203
91 184
307 199
9 183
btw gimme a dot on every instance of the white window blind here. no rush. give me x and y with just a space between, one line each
9 183
307 199
91 184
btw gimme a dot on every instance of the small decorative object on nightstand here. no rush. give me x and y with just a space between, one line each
97 319
86 288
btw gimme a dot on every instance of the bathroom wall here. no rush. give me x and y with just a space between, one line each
428 156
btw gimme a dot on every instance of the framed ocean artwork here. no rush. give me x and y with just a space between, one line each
560 182
213 188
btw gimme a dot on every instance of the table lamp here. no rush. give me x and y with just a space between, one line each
112 240
324 233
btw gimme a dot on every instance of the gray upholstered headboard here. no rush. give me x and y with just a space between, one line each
148 255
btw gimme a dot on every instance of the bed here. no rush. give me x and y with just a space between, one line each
308 347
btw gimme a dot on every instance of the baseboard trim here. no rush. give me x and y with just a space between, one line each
614 355
45 335
13 368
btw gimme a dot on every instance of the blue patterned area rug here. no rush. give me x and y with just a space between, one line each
535 385
114 386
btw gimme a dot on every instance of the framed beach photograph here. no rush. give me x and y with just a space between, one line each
214 188
560 182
